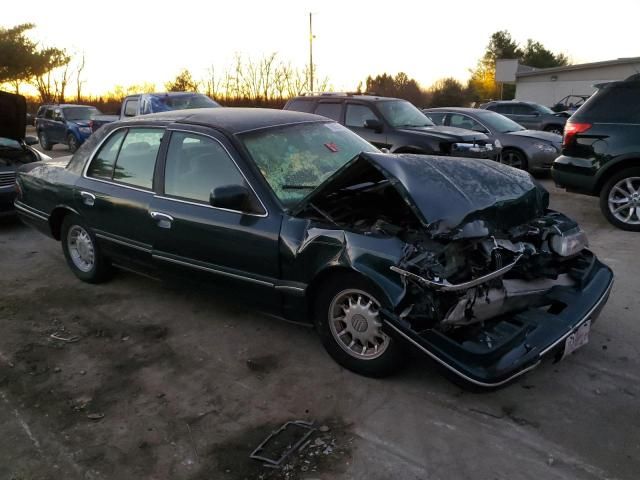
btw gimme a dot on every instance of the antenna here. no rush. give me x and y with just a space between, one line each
310 52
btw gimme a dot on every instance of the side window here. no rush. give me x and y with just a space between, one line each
102 164
137 158
521 109
300 105
48 113
462 121
196 165
436 117
329 110
504 109
131 108
57 114
357 115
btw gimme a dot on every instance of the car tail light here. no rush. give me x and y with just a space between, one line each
571 130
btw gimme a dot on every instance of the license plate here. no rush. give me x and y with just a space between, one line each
577 339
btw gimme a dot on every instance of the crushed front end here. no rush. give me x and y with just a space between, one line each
491 308
488 280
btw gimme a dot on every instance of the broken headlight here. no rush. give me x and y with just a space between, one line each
568 243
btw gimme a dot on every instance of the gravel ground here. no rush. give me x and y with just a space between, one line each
146 380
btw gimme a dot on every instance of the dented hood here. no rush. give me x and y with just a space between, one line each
452 197
13 116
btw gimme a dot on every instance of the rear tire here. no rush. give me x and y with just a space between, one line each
72 143
620 199
44 141
357 301
82 252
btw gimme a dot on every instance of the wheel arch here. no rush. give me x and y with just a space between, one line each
517 150
56 218
613 168
330 272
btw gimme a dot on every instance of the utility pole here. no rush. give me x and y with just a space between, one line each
310 52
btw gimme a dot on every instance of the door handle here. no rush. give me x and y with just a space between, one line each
88 199
164 220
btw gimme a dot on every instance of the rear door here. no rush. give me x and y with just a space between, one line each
356 114
238 248
116 189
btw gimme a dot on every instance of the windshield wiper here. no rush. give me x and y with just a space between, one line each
298 187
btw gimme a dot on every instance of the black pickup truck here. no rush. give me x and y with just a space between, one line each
396 125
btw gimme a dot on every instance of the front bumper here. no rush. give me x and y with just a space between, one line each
519 342
541 160
7 196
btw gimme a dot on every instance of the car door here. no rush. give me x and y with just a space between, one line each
232 247
356 116
58 127
116 189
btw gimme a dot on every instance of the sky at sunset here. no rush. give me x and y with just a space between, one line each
131 42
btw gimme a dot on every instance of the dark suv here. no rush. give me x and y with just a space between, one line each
530 115
601 152
395 125
68 124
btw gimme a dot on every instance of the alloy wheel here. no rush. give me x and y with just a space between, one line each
355 323
81 248
512 159
624 200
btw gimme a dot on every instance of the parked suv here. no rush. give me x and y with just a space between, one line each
601 152
530 115
68 124
395 124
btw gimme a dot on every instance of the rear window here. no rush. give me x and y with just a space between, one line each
619 104
300 105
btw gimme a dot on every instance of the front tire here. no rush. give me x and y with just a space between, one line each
620 199
44 141
72 143
348 320
514 158
82 252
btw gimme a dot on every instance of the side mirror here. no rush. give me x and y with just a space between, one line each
231 197
373 124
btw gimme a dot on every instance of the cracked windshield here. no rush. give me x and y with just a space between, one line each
296 159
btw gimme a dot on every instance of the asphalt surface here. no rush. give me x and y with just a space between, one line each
144 380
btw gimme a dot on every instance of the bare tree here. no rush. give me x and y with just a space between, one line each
79 81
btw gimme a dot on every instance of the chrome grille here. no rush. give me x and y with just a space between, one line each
7 178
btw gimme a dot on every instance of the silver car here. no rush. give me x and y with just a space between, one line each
521 148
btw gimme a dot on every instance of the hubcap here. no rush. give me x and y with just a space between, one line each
355 323
624 200
81 248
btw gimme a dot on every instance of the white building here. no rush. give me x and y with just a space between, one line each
547 86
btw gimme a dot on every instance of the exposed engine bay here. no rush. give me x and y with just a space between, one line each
478 271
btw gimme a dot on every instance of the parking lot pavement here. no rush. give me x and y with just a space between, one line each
154 381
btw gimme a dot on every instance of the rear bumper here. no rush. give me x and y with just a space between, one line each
522 341
575 174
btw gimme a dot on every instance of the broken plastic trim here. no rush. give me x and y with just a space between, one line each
445 286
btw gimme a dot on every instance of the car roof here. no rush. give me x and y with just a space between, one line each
329 96
454 109
231 119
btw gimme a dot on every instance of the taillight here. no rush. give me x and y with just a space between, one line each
571 130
